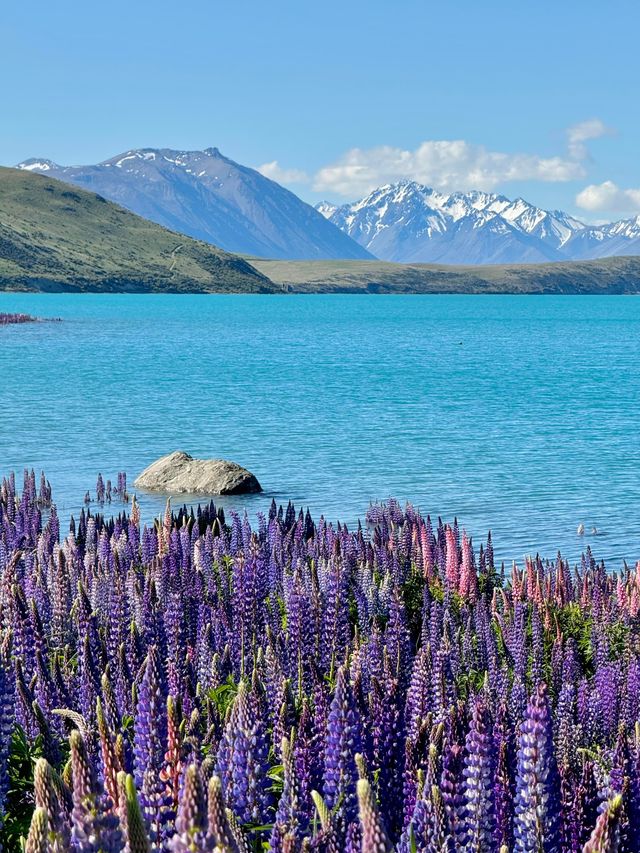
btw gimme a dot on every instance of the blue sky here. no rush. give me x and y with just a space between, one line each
334 98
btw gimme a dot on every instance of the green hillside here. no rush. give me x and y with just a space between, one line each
609 275
54 237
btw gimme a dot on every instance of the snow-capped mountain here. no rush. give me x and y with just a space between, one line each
601 241
409 222
208 196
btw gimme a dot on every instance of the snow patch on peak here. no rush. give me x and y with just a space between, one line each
134 156
36 165
326 208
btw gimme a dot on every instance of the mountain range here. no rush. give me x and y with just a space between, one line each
56 237
408 222
209 197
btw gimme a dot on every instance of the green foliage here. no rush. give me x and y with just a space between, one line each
575 623
413 595
224 695
617 634
488 581
276 774
20 803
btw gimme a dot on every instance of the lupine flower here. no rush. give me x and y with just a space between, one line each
131 820
605 837
150 740
96 828
37 840
260 660
191 820
537 806
479 773
220 835
342 743
6 725
374 837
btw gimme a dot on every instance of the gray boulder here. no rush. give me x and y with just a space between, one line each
179 473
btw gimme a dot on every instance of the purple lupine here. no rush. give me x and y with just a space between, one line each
374 836
504 777
388 746
479 774
150 743
308 756
243 761
452 780
7 716
417 689
290 822
96 828
537 793
191 819
343 741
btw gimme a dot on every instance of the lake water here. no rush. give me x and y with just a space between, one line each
517 414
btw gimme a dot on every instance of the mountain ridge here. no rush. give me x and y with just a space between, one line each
212 198
409 222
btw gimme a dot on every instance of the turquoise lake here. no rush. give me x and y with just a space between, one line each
515 414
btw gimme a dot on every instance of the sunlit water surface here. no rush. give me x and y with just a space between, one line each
517 414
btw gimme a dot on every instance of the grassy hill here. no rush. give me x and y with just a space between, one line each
609 275
54 237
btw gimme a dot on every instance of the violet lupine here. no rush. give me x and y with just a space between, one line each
290 823
504 778
452 780
191 820
150 739
96 828
537 798
243 761
374 836
479 774
384 640
7 699
343 741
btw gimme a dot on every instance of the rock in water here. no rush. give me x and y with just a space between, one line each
179 473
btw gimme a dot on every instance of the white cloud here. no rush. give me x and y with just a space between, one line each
608 196
582 132
444 164
275 172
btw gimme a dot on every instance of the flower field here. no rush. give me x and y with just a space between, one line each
9 319
202 684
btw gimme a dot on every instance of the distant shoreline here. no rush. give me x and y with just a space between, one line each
607 276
